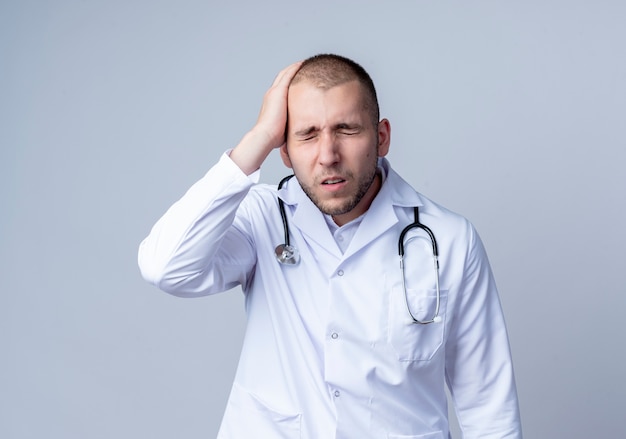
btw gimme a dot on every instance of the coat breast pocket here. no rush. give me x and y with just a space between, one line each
415 341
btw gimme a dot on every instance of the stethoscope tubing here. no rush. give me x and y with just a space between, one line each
416 224
286 254
281 207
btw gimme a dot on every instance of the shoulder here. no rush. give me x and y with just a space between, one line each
440 212
262 190
432 214
260 198
446 223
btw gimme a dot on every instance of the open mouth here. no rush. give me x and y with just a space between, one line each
333 181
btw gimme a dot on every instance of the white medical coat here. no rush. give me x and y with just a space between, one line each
330 350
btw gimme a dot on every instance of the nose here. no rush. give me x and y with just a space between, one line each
328 149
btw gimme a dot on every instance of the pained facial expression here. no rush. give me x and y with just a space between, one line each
333 146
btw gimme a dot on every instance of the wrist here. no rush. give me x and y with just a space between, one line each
251 151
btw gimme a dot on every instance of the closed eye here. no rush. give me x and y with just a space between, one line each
306 134
347 129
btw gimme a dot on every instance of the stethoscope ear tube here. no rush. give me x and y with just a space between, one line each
285 253
416 224
436 318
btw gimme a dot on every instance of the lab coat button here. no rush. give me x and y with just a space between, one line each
334 335
340 273
337 393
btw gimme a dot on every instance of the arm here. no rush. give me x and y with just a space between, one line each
181 252
479 369
193 249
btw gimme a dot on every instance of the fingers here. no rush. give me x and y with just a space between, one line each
273 116
285 76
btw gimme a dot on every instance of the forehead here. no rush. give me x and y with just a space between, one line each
309 104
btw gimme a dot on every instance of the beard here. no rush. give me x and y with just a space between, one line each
330 207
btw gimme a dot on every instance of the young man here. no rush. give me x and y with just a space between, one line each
342 340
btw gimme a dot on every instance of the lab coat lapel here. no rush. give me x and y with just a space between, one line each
379 218
382 215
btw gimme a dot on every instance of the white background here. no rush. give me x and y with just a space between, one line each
511 113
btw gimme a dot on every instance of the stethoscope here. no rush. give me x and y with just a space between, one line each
287 254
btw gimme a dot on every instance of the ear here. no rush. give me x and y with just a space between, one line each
384 137
284 154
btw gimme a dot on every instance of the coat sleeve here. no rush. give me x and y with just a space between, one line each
479 369
194 249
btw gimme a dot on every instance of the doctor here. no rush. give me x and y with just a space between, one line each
338 344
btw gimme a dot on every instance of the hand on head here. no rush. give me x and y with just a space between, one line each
269 131
273 116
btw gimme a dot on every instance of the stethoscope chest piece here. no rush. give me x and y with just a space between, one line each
287 254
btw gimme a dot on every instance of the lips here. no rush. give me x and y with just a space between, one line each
333 181
333 185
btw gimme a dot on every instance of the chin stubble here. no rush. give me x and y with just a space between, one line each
350 203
